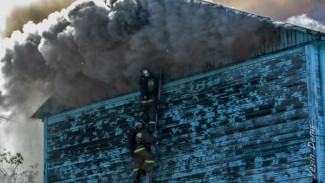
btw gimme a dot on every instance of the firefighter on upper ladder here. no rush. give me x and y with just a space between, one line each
148 98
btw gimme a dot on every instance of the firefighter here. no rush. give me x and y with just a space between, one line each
139 146
148 98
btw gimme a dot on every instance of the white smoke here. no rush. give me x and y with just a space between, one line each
18 132
26 137
305 21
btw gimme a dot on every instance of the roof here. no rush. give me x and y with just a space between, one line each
288 36
269 20
50 107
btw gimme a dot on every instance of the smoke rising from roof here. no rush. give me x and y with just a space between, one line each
305 13
92 51
305 21
280 9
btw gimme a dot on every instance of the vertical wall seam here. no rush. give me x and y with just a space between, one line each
311 59
322 84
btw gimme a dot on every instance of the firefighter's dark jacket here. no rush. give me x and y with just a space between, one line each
140 138
148 86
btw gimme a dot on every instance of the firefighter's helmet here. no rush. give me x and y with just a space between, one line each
139 125
145 71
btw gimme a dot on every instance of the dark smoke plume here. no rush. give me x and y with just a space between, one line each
35 11
94 50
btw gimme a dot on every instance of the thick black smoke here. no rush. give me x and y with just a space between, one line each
94 50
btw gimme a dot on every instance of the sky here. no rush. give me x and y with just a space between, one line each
279 9
6 7
29 140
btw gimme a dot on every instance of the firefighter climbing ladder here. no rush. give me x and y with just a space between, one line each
155 134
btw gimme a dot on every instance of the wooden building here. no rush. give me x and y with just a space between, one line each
260 119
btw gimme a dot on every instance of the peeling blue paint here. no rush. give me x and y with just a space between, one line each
244 123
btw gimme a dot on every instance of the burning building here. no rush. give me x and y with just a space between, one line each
242 99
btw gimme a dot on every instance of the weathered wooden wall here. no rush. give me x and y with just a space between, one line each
315 78
245 123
